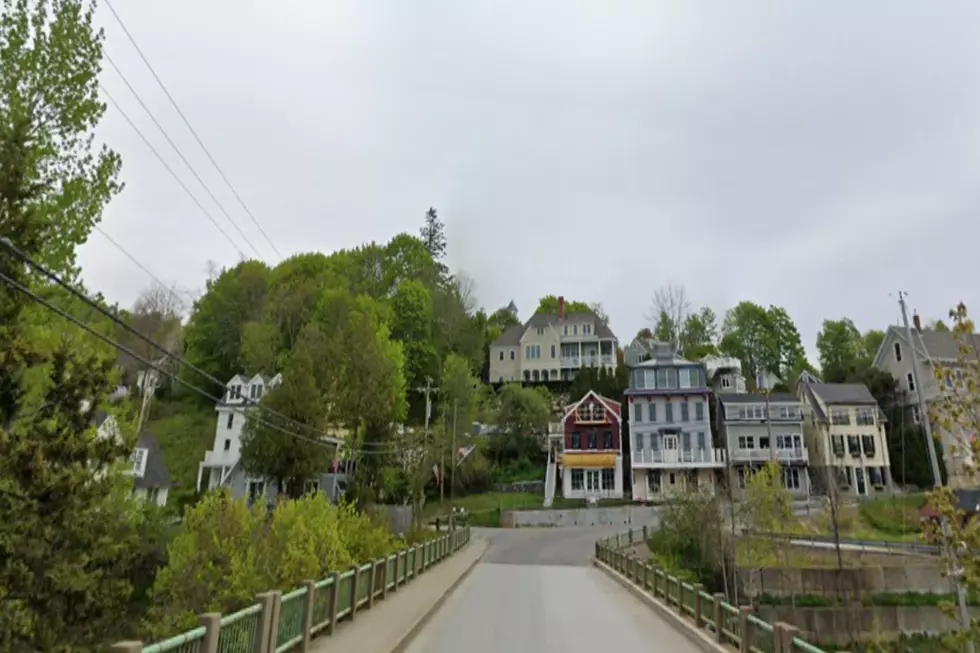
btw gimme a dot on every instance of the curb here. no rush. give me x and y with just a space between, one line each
698 638
423 621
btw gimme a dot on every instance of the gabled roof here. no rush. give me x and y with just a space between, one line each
155 475
512 336
843 394
929 343
238 378
756 398
609 404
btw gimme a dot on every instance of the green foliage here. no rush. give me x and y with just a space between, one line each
762 339
433 234
549 304
899 515
766 508
226 553
184 429
690 539
699 333
844 353
523 411
665 330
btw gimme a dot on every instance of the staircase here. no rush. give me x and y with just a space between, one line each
549 481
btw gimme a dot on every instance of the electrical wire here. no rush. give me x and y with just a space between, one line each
180 300
180 154
171 171
193 132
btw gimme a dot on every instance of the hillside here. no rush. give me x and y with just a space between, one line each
185 430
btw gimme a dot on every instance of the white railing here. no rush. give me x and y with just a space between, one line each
220 458
591 360
679 457
762 455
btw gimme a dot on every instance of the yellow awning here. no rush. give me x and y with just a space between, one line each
589 460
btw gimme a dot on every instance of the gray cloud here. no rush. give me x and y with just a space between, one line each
813 155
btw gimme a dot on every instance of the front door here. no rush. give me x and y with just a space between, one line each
592 480
862 488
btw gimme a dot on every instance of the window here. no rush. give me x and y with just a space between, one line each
868 444
652 411
231 420
684 378
537 351
751 412
139 461
898 352
637 412
576 441
788 412
837 444
791 478
916 417
726 384
668 412
587 329
592 439
864 416
840 416
699 411
311 487
746 442
512 354
608 479
741 478
227 444
527 375
552 351
607 440
566 330
575 329
702 441
501 355
578 479
853 446
874 474
910 380
540 331
685 412
500 379
256 489
764 442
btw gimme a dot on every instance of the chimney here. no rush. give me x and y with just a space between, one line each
561 308
917 322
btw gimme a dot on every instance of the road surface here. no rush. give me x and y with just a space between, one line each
536 592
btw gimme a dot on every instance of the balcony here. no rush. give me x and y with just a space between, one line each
220 458
589 360
763 455
674 458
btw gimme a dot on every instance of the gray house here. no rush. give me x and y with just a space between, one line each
752 440
151 480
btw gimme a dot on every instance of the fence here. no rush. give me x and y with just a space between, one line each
277 622
866 546
735 626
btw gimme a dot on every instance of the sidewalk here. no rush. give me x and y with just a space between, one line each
384 627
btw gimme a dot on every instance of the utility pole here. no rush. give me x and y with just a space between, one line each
428 390
452 473
937 481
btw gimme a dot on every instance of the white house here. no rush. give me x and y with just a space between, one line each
151 481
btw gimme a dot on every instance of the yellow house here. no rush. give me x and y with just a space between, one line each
845 433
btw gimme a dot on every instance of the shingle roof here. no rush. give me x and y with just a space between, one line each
843 393
746 398
155 475
99 418
942 344
511 337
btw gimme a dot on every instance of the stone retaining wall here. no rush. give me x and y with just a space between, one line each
619 515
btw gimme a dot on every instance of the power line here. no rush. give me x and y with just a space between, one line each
170 170
109 341
118 322
181 155
181 300
187 122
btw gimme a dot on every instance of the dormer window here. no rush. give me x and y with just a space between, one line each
726 382
138 458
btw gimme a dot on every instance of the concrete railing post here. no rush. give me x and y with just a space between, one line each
782 636
268 628
384 574
372 583
646 534
308 602
680 597
212 631
334 602
355 580
416 562
619 541
745 629
630 531
719 618
653 580
131 646
398 566
698 618
597 549
646 577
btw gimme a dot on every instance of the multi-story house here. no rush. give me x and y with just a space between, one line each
151 481
933 350
552 347
845 435
591 464
752 439
221 466
641 349
724 374
670 427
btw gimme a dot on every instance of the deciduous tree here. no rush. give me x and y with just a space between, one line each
765 340
698 334
669 311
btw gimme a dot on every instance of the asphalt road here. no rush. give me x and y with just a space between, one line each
536 592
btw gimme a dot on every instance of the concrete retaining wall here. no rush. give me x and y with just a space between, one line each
842 626
871 579
620 515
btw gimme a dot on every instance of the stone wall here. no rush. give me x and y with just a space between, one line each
619 516
917 576
842 626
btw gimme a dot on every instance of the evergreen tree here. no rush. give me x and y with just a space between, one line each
433 234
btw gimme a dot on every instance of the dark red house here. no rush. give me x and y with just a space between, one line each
592 459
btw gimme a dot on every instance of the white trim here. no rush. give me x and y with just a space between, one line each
572 408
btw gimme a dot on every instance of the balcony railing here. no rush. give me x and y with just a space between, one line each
592 360
762 455
220 457
679 457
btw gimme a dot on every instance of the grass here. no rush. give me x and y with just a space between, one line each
889 519
903 599
185 430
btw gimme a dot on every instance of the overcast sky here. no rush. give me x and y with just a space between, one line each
814 155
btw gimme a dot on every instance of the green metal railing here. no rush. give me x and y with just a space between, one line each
727 623
279 623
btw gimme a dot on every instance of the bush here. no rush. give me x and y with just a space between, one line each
226 553
899 515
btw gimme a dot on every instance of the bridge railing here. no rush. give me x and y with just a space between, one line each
728 624
904 548
279 623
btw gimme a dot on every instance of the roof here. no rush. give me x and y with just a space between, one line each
756 398
941 345
99 417
610 404
512 336
155 475
843 393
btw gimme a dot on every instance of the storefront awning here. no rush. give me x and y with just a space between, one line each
589 460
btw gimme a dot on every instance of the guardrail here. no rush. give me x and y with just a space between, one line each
277 622
730 625
861 545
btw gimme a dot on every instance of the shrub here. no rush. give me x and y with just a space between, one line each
895 515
